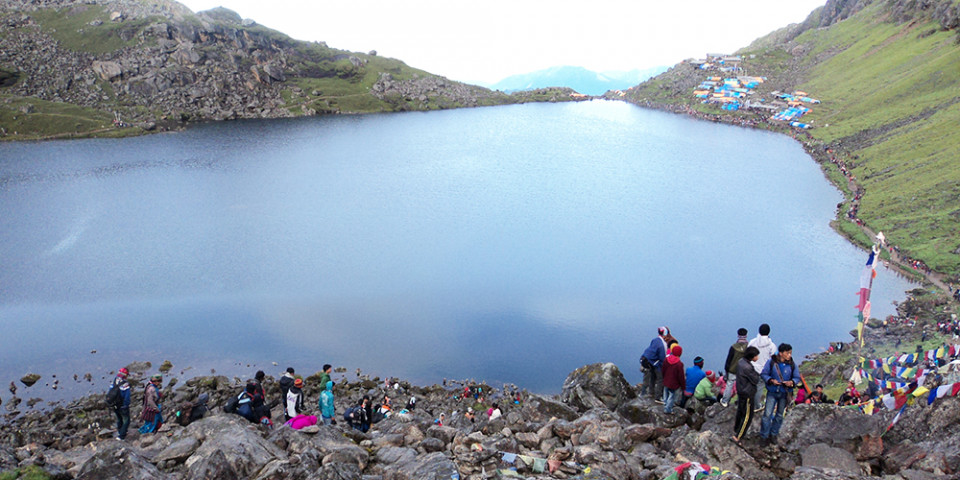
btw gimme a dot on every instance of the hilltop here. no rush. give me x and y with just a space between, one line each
121 67
885 72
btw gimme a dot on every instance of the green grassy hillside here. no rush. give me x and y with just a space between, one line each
888 76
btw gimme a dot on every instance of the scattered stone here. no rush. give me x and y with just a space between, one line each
30 379
166 366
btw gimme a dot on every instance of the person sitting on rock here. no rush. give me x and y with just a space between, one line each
494 412
850 396
294 401
245 405
705 389
817 396
199 407
358 416
286 381
694 374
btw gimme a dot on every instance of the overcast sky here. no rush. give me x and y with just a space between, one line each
486 41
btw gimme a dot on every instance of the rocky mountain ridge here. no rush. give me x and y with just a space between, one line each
156 62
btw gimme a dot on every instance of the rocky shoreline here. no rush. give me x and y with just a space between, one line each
596 427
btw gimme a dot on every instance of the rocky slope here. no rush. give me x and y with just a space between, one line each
596 428
157 63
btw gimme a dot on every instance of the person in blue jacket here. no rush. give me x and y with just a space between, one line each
651 363
781 376
122 406
694 374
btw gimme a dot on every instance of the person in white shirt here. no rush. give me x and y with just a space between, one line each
767 349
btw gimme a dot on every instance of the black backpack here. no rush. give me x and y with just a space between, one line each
231 406
183 415
113 395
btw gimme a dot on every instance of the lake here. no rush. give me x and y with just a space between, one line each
506 244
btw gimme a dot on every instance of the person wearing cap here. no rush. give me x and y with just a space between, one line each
151 416
286 381
294 400
122 406
704 391
673 378
694 374
733 358
817 396
651 364
781 376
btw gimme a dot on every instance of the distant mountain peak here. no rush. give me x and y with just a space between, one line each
578 78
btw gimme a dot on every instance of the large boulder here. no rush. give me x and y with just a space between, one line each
821 455
240 443
432 466
718 450
117 460
642 410
599 382
548 408
805 425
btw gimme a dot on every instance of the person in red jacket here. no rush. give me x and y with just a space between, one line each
674 379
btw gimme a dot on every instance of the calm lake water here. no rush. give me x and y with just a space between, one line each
510 244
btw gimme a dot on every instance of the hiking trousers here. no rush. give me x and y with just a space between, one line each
728 390
744 416
653 382
123 421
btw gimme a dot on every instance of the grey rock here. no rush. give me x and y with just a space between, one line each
108 71
432 466
237 440
824 456
391 455
117 460
179 450
821 423
603 381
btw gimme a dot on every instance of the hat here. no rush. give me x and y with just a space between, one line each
298 383
711 375
663 331
123 371
698 361
677 350
156 376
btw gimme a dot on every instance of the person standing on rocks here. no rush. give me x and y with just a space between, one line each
767 349
325 375
674 379
781 376
733 358
151 416
747 380
121 406
651 364
326 403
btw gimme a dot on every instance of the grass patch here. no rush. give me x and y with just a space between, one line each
28 118
32 472
87 28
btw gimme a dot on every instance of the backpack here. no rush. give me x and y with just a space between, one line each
113 395
738 350
183 415
231 406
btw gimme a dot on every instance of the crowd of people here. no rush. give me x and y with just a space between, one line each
761 374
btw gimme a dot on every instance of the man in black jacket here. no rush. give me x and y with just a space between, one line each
747 380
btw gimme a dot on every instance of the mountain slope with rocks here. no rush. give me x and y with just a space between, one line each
85 67
885 73
597 428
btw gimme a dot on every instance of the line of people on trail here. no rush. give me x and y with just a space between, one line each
747 365
118 397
